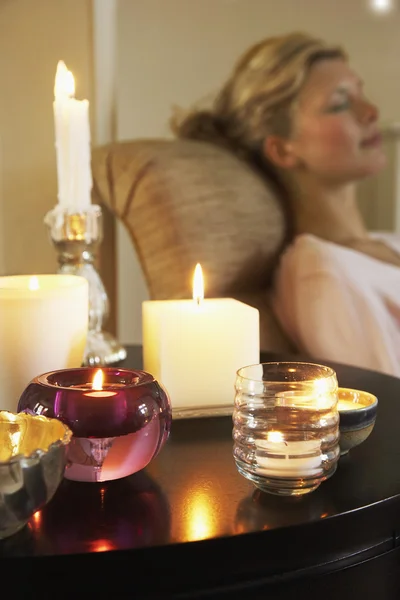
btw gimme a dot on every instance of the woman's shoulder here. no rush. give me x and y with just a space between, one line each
390 238
309 253
312 259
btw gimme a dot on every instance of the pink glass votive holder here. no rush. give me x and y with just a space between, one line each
117 430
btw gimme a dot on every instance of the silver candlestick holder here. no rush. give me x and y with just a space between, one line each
76 238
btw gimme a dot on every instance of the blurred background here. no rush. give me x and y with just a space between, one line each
134 61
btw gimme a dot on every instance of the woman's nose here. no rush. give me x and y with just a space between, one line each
367 112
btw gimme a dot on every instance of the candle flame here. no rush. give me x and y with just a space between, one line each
64 86
198 284
98 380
33 283
275 437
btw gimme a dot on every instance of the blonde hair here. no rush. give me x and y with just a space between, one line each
258 98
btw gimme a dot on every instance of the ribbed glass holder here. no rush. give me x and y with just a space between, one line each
286 426
76 238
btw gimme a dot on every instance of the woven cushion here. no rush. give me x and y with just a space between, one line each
185 202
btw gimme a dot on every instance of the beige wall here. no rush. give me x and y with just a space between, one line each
2 247
177 51
34 35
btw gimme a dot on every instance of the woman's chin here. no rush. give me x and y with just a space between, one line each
376 163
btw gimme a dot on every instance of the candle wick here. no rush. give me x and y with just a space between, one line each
198 300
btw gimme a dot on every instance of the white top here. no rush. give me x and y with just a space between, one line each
340 305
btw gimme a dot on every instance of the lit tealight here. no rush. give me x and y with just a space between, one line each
98 379
275 437
345 405
98 390
350 400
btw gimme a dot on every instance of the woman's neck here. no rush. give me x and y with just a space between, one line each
333 215
329 213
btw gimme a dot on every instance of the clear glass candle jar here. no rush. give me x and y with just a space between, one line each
286 426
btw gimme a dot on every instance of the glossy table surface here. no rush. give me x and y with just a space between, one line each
191 504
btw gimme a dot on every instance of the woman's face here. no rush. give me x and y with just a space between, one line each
335 133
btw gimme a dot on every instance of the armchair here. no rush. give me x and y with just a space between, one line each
185 202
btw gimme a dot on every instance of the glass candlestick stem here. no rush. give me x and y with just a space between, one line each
76 238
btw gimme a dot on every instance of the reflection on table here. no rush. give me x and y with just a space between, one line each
90 517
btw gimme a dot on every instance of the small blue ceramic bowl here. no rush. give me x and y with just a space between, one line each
357 412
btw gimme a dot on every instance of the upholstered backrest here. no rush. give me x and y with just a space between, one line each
185 202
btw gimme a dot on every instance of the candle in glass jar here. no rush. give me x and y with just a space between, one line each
119 418
99 388
277 457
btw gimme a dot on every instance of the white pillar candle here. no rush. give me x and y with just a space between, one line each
43 327
277 457
194 347
72 133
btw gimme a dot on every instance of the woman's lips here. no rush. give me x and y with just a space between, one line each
374 140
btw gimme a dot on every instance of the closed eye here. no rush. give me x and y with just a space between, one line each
341 101
338 107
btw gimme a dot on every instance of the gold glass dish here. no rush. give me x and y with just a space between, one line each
357 412
32 463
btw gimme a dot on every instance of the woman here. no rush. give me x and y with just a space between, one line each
295 109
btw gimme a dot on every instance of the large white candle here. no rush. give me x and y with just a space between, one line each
43 327
72 133
194 347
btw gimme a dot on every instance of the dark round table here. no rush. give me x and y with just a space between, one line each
189 526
